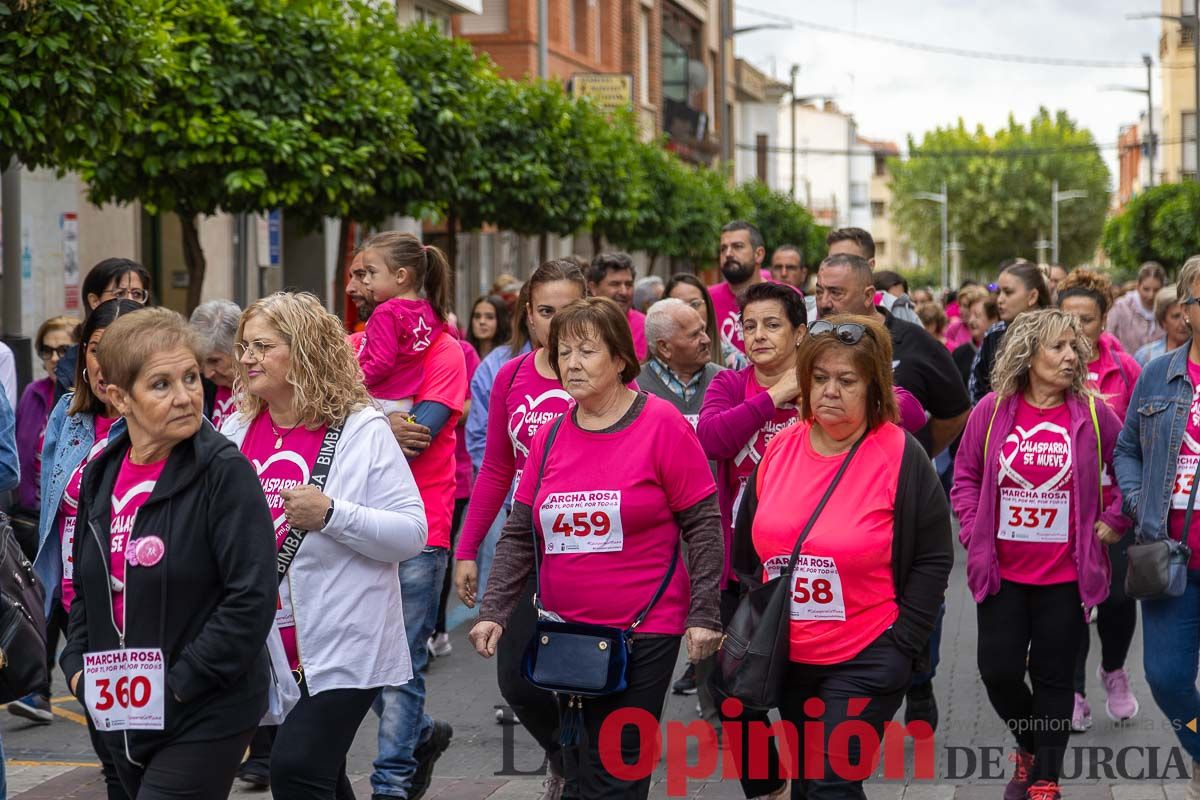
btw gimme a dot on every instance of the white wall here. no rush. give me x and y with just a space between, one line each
754 119
822 179
862 165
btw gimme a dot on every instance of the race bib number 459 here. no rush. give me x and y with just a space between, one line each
582 522
123 689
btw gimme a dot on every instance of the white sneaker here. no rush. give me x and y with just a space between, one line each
439 644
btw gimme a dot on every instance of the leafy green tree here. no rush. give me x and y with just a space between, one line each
618 175
999 187
784 221
73 76
1160 224
274 103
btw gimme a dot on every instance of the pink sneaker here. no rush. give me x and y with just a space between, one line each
1022 764
1121 704
1081 717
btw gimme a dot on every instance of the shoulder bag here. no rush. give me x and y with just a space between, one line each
284 691
22 622
754 653
577 659
1159 568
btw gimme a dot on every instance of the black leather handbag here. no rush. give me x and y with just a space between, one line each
577 659
1159 568
22 621
754 653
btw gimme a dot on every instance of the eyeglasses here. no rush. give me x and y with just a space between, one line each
258 350
846 332
49 352
1191 301
136 295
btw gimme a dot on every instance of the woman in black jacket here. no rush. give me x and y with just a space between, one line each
174 575
872 570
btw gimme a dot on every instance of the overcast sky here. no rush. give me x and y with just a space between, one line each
893 91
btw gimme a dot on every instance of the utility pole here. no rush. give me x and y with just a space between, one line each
943 199
794 72
1057 197
543 43
1150 144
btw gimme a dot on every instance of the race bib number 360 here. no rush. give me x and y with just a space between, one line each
817 590
1033 516
123 689
1185 473
582 522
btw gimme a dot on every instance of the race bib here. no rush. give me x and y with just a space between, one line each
68 548
123 689
1185 473
693 420
512 490
1031 516
817 590
582 522
285 617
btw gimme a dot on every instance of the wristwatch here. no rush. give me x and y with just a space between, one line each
328 513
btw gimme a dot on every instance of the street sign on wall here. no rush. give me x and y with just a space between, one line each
609 91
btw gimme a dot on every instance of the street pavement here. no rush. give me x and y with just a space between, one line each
1137 761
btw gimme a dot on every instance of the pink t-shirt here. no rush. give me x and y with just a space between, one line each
729 316
522 402
445 382
843 592
1185 471
744 462
464 472
280 470
356 341
133 487
398 333
223 406
1035 540
604 514
637 326
68 508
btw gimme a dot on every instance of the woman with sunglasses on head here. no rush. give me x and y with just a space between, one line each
1156 462
1027 491
872 570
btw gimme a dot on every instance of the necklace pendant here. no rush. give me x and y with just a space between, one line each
278 441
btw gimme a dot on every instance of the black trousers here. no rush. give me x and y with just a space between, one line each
1116 621
460 512
652 660
535 707
113 788
191 770
1040 626
56 623
308 758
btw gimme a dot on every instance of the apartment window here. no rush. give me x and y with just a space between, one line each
877 209
494 19
578 22
439 21
1186 36
598 36
880 248
1189 142
644 58
1187 7
858 194
880 165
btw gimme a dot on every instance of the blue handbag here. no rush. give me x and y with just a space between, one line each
578 659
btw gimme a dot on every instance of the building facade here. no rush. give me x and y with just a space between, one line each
1177 57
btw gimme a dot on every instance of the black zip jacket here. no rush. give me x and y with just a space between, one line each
922 548
208 604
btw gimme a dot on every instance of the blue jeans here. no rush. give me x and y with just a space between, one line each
403 723
1171 631
3 777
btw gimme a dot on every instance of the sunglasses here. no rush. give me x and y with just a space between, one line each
60 351
846 332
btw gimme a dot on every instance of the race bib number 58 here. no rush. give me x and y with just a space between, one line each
123 689
817 590
582 522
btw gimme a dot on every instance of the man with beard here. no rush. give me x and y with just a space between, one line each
358 294
741 258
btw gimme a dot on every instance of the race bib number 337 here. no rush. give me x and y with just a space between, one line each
123 689
582 522
1033 516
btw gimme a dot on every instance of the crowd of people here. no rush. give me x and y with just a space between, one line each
253 520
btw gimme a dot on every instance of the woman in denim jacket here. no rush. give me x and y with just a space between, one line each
78 429
1155 461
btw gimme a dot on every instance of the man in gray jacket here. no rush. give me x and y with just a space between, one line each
677 366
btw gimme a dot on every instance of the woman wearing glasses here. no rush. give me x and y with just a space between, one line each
1156 460
1027 492
303 410
872 570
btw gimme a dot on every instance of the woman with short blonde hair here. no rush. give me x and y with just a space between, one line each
1027 492
346 511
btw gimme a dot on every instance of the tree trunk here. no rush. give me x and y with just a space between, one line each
597 241
340 277
452 241
653 258
193 257
543 248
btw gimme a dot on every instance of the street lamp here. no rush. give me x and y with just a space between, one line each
1057 197
1188 22
943 199
1148 91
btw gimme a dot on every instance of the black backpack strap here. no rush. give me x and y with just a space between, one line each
837 478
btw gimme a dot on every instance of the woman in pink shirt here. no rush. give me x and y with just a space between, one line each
613 491
871 574
1027 490
526 396
1112 374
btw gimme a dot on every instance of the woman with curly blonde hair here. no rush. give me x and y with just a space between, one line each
1027 492
346 511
